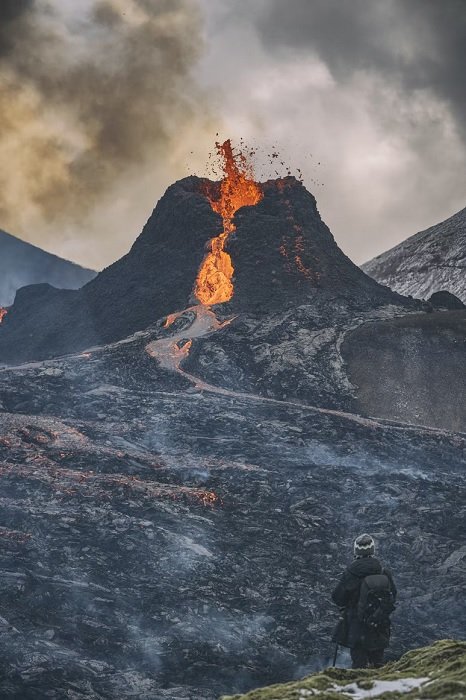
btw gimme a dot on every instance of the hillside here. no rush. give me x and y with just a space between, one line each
23 264
428 262
438 671
167 538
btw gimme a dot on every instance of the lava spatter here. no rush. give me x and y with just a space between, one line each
214 283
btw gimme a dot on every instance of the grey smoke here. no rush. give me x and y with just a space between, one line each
416 44
89 94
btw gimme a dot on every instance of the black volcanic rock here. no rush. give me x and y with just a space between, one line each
153 279
411 368
120 581
23 264
308 324
446 300
282 253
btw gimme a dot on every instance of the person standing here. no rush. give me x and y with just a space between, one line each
366 594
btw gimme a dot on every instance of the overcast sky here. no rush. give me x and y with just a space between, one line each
366 97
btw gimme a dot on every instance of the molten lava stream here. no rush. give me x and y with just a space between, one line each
214 283
3 313
170 352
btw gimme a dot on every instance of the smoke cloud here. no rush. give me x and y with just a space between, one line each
366 97
91 99
417 44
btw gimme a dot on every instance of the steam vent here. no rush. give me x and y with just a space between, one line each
250 247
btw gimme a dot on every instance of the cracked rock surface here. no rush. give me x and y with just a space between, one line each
158 541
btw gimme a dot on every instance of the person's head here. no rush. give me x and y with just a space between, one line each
364 546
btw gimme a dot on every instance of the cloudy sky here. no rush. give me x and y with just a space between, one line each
105 102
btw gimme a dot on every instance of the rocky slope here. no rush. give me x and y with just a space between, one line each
438 671
23 264
166 539
329 355
178 503
430 261
419 362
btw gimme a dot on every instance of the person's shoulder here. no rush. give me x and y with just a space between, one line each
353 571
386 569
365 566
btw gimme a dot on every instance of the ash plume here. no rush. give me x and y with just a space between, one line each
416 44
87 96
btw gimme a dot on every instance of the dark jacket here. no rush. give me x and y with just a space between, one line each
351 632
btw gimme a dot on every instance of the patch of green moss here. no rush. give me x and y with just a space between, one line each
443 662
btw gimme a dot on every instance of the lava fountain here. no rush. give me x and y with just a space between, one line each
214 283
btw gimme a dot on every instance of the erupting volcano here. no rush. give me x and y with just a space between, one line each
281 256
214 283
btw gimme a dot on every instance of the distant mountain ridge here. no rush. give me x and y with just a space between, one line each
430 261
23 264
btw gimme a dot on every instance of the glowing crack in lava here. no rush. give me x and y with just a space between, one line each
214 283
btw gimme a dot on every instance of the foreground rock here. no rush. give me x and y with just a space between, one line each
162 541
438 671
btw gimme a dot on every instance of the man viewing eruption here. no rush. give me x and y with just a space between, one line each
366 594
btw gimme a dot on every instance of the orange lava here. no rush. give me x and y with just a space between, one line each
294 255
207 498
3 313
214 283
171 318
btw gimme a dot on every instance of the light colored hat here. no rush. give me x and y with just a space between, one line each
364 546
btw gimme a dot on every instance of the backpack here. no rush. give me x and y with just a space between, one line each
376 601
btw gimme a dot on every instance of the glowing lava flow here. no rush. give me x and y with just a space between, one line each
170 352
3 313
214 283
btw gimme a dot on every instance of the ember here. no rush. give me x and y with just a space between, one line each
208 498
295 255
238 189
72 482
